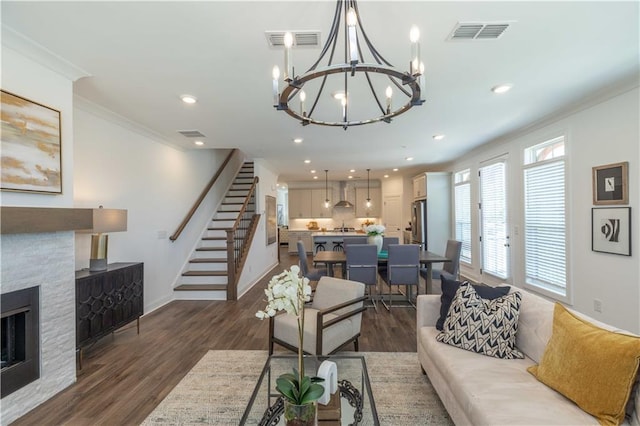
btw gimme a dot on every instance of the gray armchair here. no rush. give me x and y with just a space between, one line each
403 268
332 321
362 266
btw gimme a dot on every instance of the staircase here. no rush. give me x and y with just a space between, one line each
207 272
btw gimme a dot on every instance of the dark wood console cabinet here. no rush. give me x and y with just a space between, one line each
107 300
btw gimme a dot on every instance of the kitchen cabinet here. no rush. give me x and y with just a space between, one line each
420 187
304 236
318 210
376 202
299 203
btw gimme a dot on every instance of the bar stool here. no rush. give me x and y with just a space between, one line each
337 246
320 246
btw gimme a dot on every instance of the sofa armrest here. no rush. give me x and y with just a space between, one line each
428 310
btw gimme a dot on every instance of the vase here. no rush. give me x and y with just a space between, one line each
300 415
376 240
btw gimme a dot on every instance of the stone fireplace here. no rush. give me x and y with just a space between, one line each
44 260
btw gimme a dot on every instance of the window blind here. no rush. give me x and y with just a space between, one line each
462 195
493 210
544 226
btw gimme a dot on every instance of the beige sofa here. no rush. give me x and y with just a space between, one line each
481 390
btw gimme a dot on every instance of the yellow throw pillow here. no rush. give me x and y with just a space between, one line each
593 367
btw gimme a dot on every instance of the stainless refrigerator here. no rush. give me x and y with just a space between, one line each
419 223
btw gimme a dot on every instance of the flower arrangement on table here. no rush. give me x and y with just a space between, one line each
288 291
373 230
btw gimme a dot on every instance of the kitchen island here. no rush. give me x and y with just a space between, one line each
330 237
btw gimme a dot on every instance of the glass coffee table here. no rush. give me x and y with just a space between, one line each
356 404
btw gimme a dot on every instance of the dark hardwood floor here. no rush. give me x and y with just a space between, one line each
124 377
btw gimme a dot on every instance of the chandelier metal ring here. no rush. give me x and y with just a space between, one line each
295 85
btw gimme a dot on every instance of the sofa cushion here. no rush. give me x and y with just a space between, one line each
593 367
449 288
484 326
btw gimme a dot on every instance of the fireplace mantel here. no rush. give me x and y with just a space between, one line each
29 220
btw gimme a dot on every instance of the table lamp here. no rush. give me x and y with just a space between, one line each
104 220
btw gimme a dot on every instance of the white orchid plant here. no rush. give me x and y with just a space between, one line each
288 291
373 230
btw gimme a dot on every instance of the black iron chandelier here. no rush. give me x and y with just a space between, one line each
376 73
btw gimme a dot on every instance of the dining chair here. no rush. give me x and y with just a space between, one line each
403 268
449 269
350 240
313 274
389 240
362 266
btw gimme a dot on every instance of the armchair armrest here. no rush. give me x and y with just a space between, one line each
321 325
427 310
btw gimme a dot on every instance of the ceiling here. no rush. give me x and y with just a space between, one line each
141 56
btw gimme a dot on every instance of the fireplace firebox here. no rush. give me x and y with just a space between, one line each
20 338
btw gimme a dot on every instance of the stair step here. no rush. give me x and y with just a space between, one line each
211 249
215 238
208 260
201 287
219 228
224 203
205 274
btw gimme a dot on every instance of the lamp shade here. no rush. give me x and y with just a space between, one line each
109 220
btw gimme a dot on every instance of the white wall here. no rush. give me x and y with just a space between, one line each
28 79
118 168
262 257
604 133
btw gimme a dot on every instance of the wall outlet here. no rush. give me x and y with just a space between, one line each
597 305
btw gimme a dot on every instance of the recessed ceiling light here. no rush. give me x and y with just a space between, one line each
409 158
438 137
501 88
313 171
315 177
298 140
307 161
199 143
395 170
386 176
188 99
350 177
352 171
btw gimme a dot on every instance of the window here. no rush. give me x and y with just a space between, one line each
493 220
544 216
462 201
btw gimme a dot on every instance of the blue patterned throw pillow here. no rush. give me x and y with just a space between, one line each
484 326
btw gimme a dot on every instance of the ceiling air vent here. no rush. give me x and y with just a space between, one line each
191 133
478 30
300 38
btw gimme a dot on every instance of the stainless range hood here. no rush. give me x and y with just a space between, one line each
343 203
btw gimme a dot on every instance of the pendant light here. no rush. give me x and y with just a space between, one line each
326 189
368 197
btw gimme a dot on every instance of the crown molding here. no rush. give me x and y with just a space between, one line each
113 117
14 40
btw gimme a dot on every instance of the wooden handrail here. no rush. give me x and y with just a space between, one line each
203 194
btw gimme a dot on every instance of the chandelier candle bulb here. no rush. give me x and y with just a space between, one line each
352 20
276 88
288 67
389 94
303 97
414 36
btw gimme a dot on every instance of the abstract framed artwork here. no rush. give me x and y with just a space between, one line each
271 225
31 146
611 230
610 184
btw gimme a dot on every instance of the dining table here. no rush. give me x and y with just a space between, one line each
333 258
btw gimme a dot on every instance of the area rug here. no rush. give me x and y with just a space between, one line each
217 390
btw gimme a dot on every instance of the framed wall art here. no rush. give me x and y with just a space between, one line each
611 230
31 146
271 225
610 184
